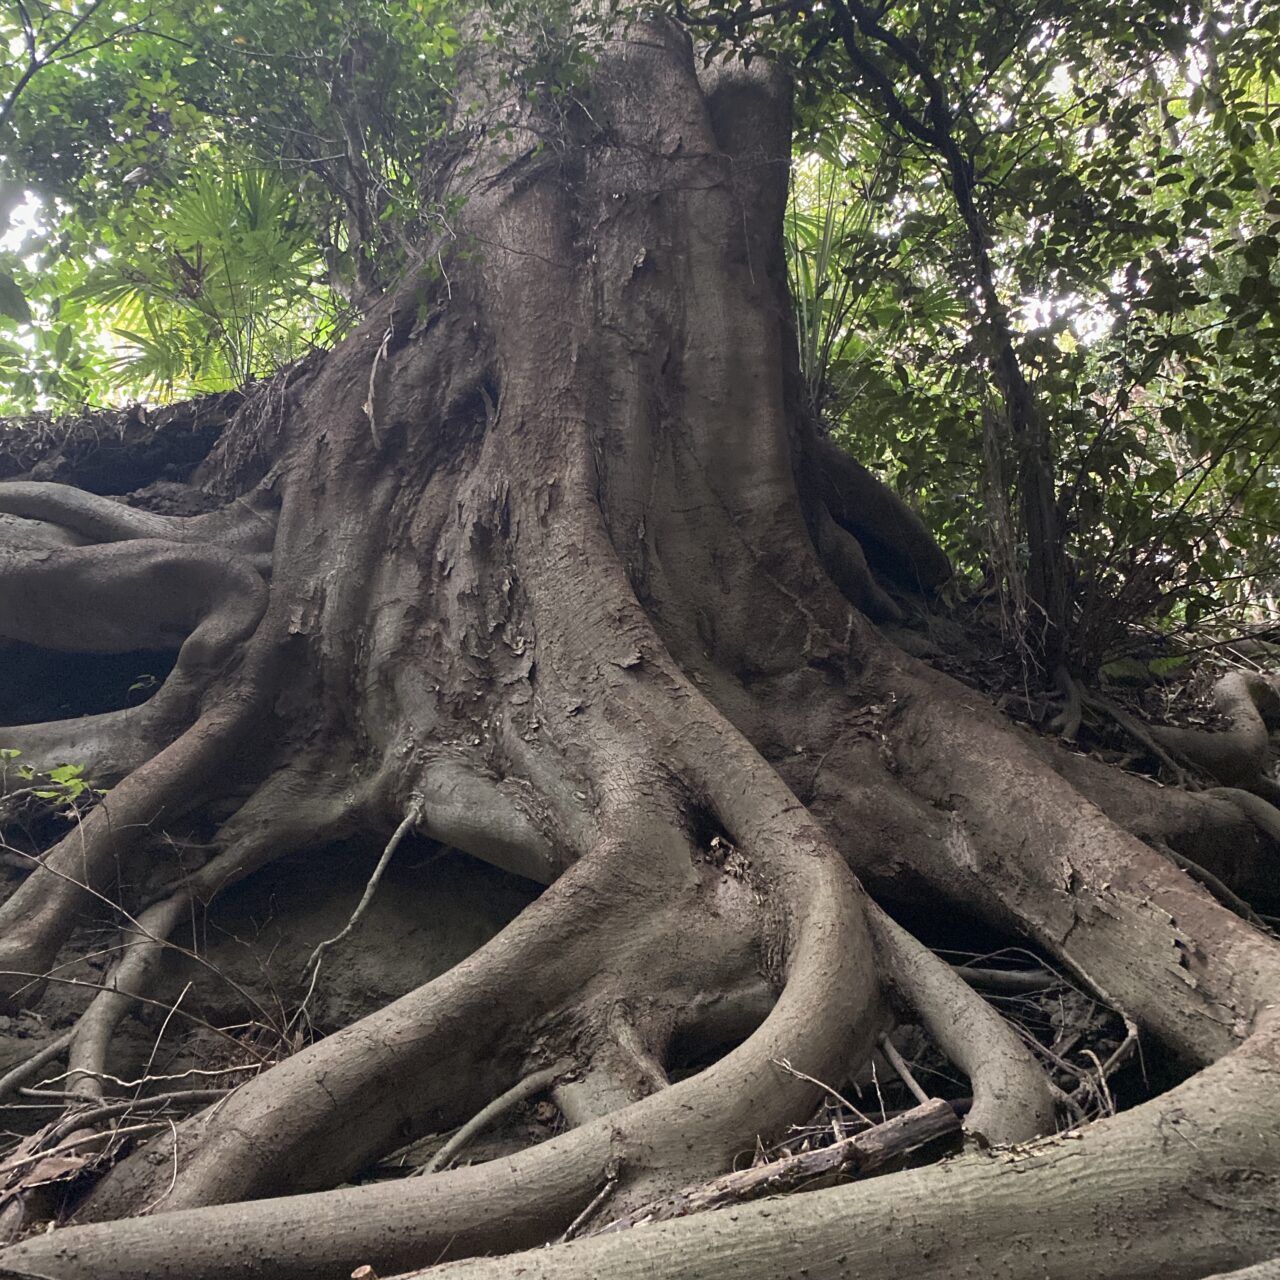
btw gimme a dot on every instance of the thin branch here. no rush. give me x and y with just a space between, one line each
597 1201
17 1076
411 817
899 1064
538 1082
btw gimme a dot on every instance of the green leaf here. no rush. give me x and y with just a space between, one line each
13 302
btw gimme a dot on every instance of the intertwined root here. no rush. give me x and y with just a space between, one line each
569 597
616 973
1197 1169
604 971
142 582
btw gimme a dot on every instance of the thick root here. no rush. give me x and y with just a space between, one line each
329 1109
1237 755
842 557
109 746
1021 849
246 526
894 538
135 595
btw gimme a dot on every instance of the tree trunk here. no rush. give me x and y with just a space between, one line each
544 563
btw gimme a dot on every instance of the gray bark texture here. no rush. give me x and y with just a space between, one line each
545 562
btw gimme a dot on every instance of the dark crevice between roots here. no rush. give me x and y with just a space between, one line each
229 995
1072 1031
42 685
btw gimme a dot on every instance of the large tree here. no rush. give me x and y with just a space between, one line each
546 563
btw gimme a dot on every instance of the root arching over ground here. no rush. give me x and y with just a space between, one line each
543 564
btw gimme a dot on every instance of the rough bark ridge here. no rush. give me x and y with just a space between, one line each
543 560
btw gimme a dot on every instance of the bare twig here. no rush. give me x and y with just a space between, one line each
538 1082
826 1088
1008 981
411 817
70 1144
612 1174
899 1064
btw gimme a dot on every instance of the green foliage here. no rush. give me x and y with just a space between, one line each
1127 180
64 786
222 290
127 130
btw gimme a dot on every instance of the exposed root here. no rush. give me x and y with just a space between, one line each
1023 849
623 1069
1202 825
902 1069
1006 981
246 526
1146 736
1262 813
87 516
121 597
26 1070
475 813
1067 722
1224 893
1061 1210
1011 1097
843 559
108 746
1238 754
860 1156
892 535
134 595
347 1099
204 602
